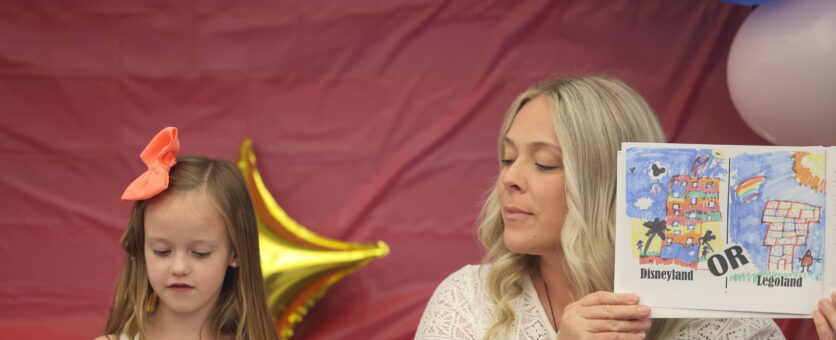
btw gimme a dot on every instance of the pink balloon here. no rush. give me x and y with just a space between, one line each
782 72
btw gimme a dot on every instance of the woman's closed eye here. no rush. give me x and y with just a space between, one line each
546 167
540 166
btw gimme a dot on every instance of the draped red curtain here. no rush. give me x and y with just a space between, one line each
371 120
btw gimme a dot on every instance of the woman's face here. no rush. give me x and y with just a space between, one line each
531 182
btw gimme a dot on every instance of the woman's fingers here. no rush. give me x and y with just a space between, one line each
825 318
607 298
822 326
606 315
619 326
618 336
827 311
619 312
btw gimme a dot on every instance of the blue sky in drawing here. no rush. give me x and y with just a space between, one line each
745 225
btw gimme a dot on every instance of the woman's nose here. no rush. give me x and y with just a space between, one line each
512 177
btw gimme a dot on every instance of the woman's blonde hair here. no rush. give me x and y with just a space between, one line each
592 116
241 311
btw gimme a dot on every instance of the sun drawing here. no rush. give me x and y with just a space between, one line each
808 169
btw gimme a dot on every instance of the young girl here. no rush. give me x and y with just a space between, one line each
192 269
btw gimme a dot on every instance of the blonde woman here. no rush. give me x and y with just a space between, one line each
548 228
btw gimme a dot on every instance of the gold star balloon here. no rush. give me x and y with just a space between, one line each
298 265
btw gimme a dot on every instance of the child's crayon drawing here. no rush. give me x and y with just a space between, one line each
673 201
776 210
741 228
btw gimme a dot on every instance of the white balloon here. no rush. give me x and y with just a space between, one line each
782 71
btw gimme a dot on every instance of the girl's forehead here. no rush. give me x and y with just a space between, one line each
198 200
187 213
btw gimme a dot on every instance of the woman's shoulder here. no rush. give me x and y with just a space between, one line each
466 281
454 309
469 271
732 328
468 276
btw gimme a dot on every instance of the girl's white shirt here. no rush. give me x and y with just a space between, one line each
461 308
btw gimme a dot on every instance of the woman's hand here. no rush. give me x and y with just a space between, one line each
605 315
825 318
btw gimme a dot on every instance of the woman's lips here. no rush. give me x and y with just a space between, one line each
512 213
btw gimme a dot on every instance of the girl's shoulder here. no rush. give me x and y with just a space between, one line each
107 337
112 337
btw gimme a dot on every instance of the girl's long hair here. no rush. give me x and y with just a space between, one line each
241 311
592 116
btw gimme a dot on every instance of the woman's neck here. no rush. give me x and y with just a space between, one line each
553 285
551 269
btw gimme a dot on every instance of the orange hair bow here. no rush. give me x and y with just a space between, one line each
159 156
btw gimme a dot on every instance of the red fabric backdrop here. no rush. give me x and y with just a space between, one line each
372 120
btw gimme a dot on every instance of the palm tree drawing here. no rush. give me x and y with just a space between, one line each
707 237
655 227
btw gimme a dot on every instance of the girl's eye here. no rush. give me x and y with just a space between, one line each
162 252
507 162
202 254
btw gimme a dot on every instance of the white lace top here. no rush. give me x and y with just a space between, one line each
461 308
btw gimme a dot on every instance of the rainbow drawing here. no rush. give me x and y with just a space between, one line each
749 188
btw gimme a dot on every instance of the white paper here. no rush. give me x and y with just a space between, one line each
674 313
761 209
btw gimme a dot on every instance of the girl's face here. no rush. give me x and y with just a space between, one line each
531 182
187 251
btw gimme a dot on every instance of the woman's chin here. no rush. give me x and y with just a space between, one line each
517 243
520 243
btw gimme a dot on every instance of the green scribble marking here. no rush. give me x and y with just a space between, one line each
753 277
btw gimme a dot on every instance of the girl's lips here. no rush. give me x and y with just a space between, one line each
180 287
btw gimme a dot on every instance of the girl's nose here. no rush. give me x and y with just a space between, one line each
180 266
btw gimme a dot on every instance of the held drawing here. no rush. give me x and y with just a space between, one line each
741 228
674 204
776 212
686 205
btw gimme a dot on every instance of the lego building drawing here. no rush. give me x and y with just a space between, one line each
788 228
